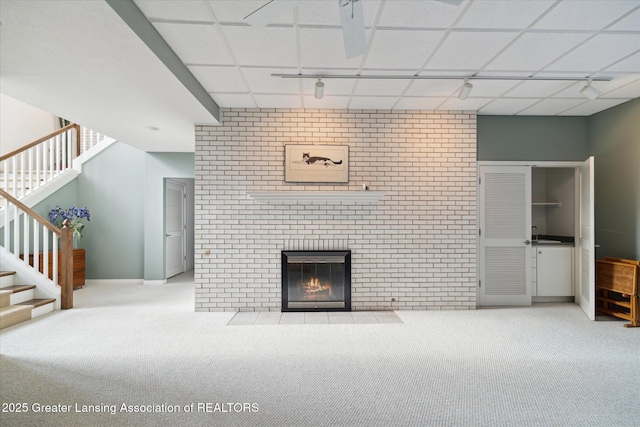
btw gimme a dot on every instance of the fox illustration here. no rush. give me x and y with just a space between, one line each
321 160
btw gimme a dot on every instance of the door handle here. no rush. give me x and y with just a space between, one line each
527 242
167 235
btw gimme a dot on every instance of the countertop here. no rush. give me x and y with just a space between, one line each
547 240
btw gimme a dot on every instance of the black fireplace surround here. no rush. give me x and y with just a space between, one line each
316 280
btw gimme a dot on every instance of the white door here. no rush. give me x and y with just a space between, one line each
504 235
175 227
586 245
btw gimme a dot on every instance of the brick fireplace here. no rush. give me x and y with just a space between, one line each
316 280
413 249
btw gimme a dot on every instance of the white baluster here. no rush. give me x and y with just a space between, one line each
38 164
57 155
26 245
36 244
30 179
16 232
55 258
22 169
45 251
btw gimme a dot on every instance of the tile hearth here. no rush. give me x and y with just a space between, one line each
315 318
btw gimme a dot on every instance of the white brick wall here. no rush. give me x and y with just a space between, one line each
417 244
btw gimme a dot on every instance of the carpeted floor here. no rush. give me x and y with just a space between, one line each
140 355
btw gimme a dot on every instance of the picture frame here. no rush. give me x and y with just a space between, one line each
316 163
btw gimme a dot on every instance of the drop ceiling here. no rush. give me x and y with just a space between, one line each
81 61
544 38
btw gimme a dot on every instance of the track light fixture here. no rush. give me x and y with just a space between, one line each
319 89
589 91
465 90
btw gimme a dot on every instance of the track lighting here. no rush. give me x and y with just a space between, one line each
465 90
589 91
319 89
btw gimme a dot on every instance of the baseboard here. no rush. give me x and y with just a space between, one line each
113 282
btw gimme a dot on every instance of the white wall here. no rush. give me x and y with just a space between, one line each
22 123
417 244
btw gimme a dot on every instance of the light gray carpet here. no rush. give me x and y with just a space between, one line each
547 365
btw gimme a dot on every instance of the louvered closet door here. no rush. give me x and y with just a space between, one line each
586 296
505 233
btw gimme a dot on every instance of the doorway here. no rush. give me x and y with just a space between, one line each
506 238
178 225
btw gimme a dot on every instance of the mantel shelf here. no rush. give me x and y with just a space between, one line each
316 196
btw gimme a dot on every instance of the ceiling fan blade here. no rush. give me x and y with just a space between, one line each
355 37
451 2
269 12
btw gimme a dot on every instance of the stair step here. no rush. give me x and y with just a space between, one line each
20 293
18 288
14 314
38 302
7 273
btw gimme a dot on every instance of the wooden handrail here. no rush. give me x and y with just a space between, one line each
44 138
66 249
31 213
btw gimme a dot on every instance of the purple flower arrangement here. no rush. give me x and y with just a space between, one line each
76 215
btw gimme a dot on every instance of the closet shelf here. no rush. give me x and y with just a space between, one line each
545 204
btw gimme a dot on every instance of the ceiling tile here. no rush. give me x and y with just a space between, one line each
401 49
435 88
592 107
234 100
381 87
585 15
631 64
419 14
314 12
323 47
219 79
475 104
631 90
196 43
506 107
328 101
551 107
261 80
507 14
419 103
194 11
235 11
597 53
537 89
630 23
372 102
277 101
491 88
268 46
469 50
533 51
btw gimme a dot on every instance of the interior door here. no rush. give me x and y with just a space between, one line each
504 235
586 246
175 227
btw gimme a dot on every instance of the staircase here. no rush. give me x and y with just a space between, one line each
18 302
27 176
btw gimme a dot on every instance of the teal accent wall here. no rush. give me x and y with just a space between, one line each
112 187
521 138
614 141
158 167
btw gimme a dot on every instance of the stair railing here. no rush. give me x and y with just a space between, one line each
27 168
33 240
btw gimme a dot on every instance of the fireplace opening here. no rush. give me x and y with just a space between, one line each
316 280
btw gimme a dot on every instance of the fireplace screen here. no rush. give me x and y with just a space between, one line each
316 281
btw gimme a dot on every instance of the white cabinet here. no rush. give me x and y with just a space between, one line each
554 267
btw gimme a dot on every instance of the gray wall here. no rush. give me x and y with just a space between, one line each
503 138
159 166
614 140
123 187
112 187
